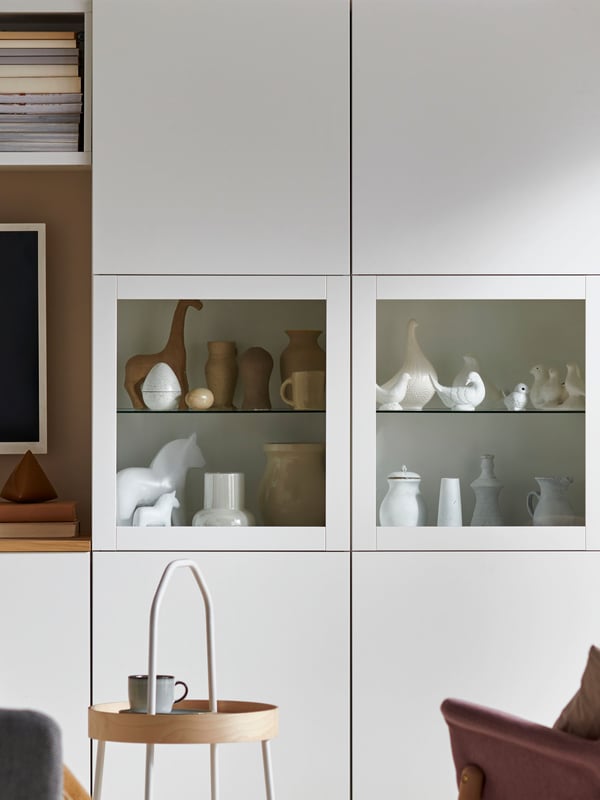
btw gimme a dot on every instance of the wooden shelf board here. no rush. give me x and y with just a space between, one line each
74 544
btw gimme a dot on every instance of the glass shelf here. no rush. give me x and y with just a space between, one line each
234 411
482 411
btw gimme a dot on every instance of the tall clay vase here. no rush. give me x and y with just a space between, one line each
256 365
487 488
292 489
302 353
420 389
221 372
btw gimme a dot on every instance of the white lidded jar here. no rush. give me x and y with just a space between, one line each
403 504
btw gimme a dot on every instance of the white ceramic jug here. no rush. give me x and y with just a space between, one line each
553 506
403 504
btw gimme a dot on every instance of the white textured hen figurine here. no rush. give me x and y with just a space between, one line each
462 398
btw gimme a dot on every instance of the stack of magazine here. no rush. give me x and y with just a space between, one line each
40 91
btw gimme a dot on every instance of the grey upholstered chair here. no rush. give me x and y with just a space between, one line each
501 757
30 756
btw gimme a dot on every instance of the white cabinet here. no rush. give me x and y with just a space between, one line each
282 636
507 630
45 661
509 326
475 137
221 137
134 314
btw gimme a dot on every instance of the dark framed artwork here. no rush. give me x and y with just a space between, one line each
23 417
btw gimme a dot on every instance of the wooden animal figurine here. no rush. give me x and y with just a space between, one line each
142 486
159 514
173 354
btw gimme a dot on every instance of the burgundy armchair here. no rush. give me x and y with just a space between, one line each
501 757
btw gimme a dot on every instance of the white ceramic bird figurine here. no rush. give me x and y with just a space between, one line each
553 391
470 365
540 376
517 399
392 393
462 398
573 381
493 395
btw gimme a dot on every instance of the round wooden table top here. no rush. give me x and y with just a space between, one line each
190 723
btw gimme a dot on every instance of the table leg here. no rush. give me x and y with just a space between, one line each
266 753
214 773
149 768
97 790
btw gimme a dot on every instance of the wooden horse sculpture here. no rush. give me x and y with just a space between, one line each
173 354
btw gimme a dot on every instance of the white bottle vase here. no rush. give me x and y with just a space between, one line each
223 501
420 389
449 507
487 487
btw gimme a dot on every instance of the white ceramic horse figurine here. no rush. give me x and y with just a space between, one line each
158 514
142 486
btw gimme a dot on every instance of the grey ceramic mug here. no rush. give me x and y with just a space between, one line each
165 693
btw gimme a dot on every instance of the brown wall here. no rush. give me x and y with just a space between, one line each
61 199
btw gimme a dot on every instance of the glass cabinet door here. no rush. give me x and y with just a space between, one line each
255 463
483 446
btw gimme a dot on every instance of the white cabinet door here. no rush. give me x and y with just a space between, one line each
507 630
45 662
282 636
133 315
221 137
507 326
475 137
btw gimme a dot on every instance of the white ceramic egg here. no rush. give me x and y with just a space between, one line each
161 389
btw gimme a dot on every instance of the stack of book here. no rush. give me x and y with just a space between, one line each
54 519
40 91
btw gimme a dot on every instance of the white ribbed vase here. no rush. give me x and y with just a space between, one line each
223 501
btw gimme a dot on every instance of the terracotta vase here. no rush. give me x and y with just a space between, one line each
292 489
302 352
221 372
256 365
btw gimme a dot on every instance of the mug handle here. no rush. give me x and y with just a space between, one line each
287 382
530 497
185 691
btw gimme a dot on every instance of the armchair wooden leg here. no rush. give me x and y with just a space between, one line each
471 783
72 789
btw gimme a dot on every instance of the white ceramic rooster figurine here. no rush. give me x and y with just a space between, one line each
462 398
517 399
392 393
